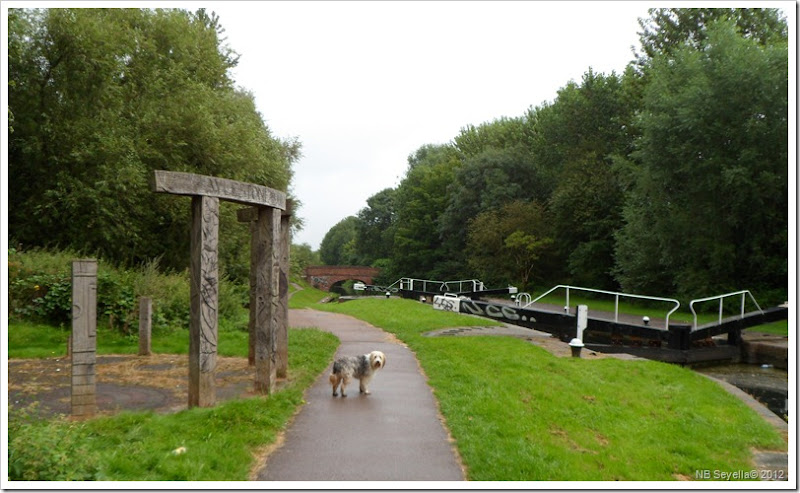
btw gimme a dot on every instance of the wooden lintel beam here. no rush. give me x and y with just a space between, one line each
250 214
234 191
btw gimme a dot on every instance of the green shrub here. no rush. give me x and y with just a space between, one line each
40 290
46 297
39 450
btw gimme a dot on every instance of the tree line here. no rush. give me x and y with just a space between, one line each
98 99
670 178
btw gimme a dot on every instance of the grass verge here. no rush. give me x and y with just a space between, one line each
519 413
36 340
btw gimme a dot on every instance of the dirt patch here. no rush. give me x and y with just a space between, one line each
123 382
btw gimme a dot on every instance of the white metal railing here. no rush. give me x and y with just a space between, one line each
721 297
477 285
428 286
616 299
522 298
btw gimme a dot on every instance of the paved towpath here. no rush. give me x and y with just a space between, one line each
393 434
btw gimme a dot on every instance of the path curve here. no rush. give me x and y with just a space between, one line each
394 434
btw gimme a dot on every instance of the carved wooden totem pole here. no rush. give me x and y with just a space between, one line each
84 337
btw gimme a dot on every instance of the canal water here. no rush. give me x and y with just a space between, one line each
768 385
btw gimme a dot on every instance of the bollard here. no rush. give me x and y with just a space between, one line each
576 345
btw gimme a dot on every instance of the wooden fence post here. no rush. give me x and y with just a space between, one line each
145 325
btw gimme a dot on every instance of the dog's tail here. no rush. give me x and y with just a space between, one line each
337 368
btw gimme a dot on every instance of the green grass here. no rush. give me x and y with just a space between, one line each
780 328
307 297
35 340
219 442
533 417
538 417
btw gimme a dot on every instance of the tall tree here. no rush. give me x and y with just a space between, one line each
101 98
667 30
501 133
511 244
302 256
712 187
586 129
338 246
420 198
488 180
376 227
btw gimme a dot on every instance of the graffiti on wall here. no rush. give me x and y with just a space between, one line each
446 303
501 312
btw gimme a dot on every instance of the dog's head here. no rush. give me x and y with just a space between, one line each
377 360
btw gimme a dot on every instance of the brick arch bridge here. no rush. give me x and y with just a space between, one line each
325 276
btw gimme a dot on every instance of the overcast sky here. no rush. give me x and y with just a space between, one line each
364 84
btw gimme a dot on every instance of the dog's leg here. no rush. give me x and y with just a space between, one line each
362 384
334 379
345 381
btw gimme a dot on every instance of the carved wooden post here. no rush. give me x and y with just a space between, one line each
250 215
283 294
203 292
267 279
84 337
251 324
145 325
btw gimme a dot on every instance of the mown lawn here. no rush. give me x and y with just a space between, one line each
519 413
36 340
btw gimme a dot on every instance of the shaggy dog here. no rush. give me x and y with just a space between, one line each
361 367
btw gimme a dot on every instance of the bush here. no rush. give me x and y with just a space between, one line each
40 290
39 450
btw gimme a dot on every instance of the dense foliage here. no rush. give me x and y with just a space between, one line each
668 179
102 97
40 289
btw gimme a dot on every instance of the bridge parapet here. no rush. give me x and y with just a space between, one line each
325 276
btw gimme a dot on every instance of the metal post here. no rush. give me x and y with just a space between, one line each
576 344
741 313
